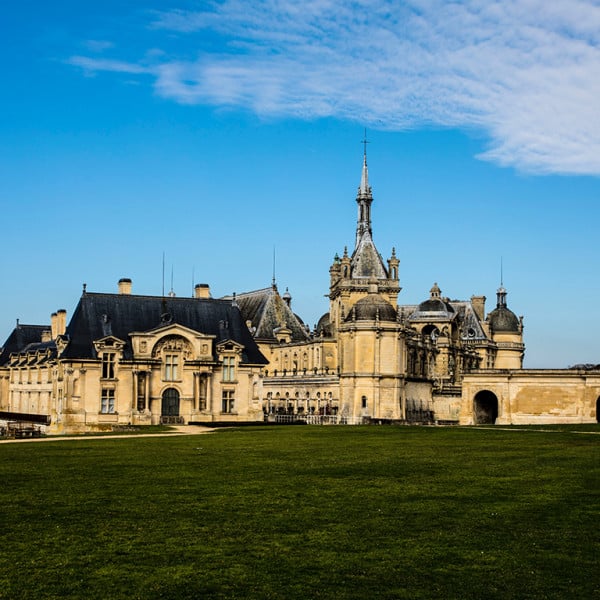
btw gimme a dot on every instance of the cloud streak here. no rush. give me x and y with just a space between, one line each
524 72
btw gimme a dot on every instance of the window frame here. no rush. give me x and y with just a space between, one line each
107 401
108 365
229 368
228 401
171 364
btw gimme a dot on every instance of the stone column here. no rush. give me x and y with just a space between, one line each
147 391
209 400
196 391
134 385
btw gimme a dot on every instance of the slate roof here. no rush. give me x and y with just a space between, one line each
24 337
502 319
100 315
439 310
371 307
366 261
267 311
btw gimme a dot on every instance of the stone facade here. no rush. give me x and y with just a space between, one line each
370 358
530 396
134 360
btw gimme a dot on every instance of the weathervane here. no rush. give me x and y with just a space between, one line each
364 142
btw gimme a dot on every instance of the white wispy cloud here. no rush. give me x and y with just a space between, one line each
525 72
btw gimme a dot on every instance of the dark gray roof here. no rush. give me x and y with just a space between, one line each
267 311
24 337
434 309
503 319
100 315
366 261
324 325
372 307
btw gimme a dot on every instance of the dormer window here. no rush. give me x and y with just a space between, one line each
108 365
229 368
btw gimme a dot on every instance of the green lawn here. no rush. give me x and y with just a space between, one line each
305 512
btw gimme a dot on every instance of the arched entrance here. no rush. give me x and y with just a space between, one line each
170 403
598 410
485 407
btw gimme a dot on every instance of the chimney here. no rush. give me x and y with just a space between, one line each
46 336
53 325
202 290
61 321
125 286
478 304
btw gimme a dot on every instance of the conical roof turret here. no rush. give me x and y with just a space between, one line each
366 260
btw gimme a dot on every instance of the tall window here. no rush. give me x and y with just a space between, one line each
171 367
107 402
202 395
228 368
108 365
228 404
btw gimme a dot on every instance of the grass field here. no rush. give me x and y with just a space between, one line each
305 512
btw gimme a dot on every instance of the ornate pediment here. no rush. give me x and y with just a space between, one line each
174 338
173 344
105 344
229 346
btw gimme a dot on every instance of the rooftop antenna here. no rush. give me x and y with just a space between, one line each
501 273
171 292
274 280
193 277
163 274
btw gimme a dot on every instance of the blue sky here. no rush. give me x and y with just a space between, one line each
215 132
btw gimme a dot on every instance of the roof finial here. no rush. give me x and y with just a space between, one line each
501 274
364 142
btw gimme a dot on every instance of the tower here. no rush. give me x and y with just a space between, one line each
351 275
507 333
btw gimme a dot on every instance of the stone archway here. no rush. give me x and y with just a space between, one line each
170 403
485 408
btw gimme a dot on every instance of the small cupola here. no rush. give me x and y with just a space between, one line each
287 297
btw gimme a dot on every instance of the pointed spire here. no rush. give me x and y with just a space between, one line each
501 292
364 188
364 199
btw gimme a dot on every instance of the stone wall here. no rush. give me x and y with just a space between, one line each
530 396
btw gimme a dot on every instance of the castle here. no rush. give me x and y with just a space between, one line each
126 359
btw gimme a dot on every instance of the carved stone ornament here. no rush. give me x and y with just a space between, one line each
173 343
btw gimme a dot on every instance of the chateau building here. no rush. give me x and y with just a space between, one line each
140 360
129 359
372 358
